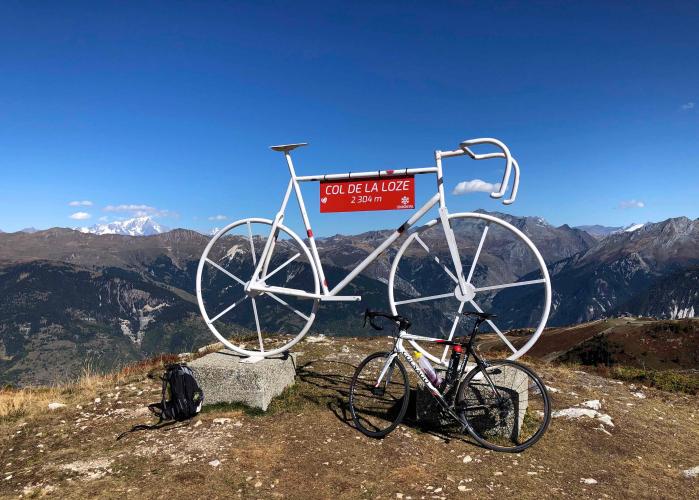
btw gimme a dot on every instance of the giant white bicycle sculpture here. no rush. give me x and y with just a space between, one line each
260 274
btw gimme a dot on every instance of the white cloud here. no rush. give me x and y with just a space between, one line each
632 204
84 203
218 217
104 218
474 186
687 106
128 208
136 210
80 216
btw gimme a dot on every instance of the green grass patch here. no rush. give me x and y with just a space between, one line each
662 379
232 407
291 400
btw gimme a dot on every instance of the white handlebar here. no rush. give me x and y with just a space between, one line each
510 162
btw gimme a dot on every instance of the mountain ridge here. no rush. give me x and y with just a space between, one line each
60 287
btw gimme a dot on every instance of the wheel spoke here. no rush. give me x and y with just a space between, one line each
422 299
287 305
225 271
436 259
252 245
228 309
510 285
497 330
257 324
478 253
282 266
453 329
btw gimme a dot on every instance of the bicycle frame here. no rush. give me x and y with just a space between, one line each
256 284
400 350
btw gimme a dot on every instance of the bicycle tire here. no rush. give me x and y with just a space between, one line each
402 405
473 383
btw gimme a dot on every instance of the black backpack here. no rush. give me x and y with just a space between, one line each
182 397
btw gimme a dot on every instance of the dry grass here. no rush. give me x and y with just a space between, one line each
16 403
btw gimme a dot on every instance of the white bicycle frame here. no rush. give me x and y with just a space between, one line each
257 282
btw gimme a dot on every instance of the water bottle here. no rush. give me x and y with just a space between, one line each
427 368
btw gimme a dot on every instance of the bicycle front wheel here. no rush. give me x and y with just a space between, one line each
379 394
505 407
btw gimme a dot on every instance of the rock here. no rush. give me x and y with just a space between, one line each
468 459
639 395
316 338
222 420
575 413
226 377
691 473
98 400
593 403
588 480
462 487
197 423
583 412
56 406
552 390
215 463
605 419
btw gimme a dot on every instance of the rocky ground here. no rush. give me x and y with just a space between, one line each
609 439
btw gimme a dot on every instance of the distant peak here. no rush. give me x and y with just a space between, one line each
138 226
633 227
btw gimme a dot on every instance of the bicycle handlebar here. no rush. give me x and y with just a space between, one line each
510 163
403 323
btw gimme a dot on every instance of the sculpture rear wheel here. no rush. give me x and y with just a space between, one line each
504 272
248 322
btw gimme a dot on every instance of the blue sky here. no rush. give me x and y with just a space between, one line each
169 108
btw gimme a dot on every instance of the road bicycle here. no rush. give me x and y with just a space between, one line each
258 284
503 404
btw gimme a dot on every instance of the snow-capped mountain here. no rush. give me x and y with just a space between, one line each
633 227
139 226
599 232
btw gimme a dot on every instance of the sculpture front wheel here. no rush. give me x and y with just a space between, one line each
504 273
249 322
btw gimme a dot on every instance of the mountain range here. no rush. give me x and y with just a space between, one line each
138 226
70 297
598 231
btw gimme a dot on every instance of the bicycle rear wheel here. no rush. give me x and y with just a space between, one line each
379 405
507 408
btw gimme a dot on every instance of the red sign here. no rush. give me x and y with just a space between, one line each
355 195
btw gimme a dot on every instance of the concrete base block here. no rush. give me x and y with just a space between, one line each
224 378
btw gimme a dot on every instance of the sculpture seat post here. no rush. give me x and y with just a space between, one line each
286 149
266 256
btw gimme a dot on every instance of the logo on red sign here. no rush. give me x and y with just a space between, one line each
355 195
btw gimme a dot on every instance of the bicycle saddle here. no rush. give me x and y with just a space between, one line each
288 147
481 315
